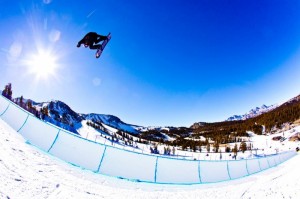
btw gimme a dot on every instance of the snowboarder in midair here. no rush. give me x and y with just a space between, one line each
90 39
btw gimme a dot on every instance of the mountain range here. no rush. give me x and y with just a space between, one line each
62 115
253 113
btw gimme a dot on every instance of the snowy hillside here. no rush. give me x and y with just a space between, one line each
252 113
26 172
110 120
62 113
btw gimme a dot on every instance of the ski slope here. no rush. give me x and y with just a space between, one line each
26 172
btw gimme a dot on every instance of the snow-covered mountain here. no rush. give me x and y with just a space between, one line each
253 113
111 121
62 115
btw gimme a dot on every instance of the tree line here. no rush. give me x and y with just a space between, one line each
225 132
27 105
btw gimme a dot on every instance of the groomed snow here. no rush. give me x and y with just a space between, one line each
26 172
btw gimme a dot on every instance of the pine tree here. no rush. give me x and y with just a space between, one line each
21 100
29 105
7 92
216 146
200 146
208 147
227 149
235 149
44 112
243 146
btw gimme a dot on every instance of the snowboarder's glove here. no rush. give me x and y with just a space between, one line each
78 45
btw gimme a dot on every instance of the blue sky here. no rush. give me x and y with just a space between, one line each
169 63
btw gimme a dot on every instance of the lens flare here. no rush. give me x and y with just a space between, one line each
42 64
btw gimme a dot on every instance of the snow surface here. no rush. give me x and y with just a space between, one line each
26 172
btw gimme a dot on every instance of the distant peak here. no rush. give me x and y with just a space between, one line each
252 113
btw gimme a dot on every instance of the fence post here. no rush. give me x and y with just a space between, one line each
101 159
199 172
54 141
5 110
228 171
155 172
23 123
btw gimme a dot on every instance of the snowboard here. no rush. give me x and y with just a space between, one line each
100 50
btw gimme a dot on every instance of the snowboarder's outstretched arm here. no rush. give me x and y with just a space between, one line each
80 42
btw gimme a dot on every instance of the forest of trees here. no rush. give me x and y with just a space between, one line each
229 131
287 113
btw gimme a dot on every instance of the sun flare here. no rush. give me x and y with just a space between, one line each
42 64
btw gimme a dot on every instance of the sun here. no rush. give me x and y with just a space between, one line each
42 64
